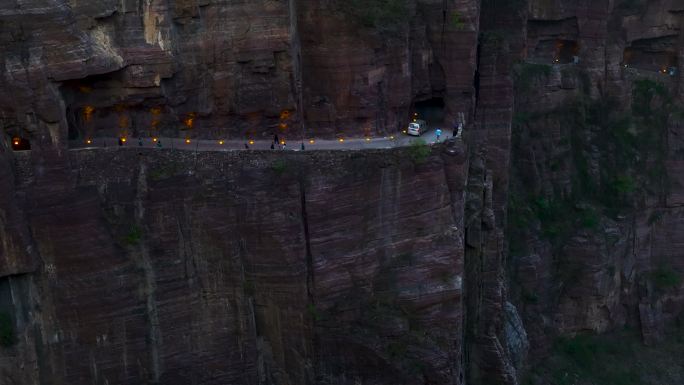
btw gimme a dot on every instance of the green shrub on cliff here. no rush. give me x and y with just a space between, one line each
6 330
279 166
164 171
597 359
665 278
590 218
133 236
457 20
617 358
313 312
419 151
390 16
525 74
619 156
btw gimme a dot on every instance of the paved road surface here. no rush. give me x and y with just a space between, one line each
399 140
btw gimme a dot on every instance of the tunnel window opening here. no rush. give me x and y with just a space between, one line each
663 62
20 144
567 51
553 41
655 55
104 106
430 110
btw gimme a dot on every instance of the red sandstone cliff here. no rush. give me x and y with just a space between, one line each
119 267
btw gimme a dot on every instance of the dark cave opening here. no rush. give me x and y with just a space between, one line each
104 106
430 110
553 41
657 55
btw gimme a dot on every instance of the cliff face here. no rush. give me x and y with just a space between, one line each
595 211
209 69
238 268
561 216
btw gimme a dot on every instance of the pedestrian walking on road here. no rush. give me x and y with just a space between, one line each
159 144
275 139
455 130
284 146
302 146
246 146
140 143
439 133
272 146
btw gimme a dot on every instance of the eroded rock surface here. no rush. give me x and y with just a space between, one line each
242 268
561 216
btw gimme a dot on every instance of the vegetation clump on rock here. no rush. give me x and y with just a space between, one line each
419 151
6 330
388 16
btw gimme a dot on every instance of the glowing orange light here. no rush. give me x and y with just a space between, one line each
414 120
221 142
283 125
154 140
312 141
282 142
284 114
123 140
89 141
341 140
392 137
16 141
189 120
251 142
187 141
404 131
367 139
88 113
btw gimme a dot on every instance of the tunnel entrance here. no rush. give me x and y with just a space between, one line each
430 110
657 55
106 105
553 41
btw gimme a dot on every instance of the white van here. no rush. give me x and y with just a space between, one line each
417 128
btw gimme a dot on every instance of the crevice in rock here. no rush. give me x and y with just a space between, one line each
310 281
307 238
141 257
296 57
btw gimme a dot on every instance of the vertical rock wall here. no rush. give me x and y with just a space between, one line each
590 258
241 268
